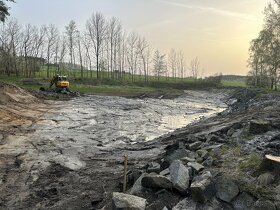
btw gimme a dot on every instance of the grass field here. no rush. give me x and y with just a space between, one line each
118 86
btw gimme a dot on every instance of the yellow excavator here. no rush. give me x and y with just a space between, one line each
61 84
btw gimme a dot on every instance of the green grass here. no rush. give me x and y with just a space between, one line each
234 83
113 86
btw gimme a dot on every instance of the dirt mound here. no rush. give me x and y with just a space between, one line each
13 94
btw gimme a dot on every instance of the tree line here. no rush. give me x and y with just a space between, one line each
103 49
264 51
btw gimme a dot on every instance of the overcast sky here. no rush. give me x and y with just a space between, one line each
218 32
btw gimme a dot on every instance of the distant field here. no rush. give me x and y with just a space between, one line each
234 81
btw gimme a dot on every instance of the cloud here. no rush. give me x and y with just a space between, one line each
227 13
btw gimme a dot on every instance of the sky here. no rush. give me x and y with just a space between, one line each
218 32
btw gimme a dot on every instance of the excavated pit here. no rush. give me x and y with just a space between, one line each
72 156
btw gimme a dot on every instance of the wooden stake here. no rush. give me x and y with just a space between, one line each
125 173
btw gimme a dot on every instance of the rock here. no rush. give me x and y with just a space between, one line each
186 204
230 132
226 189
244 201
266 178
165 172
156 181
262 204
176 155
153 167
213 138
196 166
179 175
208 162
195 146
211 147
214 204
192 155
128 202
165 208
186 160
137 187
259 126
202 188
203 153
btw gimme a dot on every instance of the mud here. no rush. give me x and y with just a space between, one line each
69 154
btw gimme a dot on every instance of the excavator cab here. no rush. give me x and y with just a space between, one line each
61 83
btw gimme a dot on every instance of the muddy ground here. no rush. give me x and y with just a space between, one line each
69 154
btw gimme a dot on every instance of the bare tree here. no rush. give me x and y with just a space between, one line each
159 64
132 53
181 63
51 36
87 47
71 33
194 68
80 50
172 61
143 49
96 29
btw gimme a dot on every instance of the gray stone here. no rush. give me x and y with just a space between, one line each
165 208
208 162
165 172
154 167
186 160
244 201
177 155
230 132
195 146
262 204
186 204
213 138
196 166
203 153
156 181
226 189
192 155
214 204
202 188
128 202
179 175
266 178
137 187
211 147
259 126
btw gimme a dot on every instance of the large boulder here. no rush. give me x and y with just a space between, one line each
226 189
123 201
179 175
202 188
244 201
156 181
259 126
